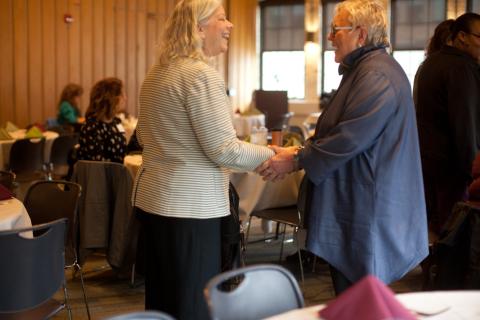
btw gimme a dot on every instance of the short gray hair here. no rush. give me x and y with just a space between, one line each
370 14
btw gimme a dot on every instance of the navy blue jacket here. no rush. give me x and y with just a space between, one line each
367 210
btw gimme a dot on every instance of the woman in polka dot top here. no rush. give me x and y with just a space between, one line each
100 137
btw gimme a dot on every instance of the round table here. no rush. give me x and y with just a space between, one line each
13 215
254 193
6 145
435 305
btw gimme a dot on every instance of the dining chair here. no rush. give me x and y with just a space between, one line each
31 271
274 104
289 215
7 179
46 201
106 215
62 149
143 315
26 159
264 290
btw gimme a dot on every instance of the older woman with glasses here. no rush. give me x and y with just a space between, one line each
363 189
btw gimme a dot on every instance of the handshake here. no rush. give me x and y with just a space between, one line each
280 164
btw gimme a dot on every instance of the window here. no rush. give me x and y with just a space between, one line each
413 23
282 39
474 6
330 77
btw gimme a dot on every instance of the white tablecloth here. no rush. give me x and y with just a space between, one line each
6 145
13 215
254 193
244 123
434 305
133 163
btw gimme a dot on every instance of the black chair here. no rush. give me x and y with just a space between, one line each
274 104
145 315
283 216
7 179
62 149
46 201
31 271
26 159
264 290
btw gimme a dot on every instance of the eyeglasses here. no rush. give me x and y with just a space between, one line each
334 29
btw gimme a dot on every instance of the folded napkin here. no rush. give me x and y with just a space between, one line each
34 132
4 135
5 194
368 299
10 127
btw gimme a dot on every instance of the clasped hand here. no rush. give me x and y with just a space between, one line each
279 165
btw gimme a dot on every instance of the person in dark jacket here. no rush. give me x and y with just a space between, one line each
448 114
365 196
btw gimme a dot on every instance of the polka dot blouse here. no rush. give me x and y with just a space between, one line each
102 141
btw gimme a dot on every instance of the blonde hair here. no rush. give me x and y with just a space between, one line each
181 37
370 14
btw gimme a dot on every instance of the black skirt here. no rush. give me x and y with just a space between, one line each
181 256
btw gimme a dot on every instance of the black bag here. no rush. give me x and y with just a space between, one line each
232 234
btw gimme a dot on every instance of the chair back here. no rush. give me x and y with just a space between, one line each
31 271
26 156
61 149
61 155
145 315
265 290
274 104
46 201
106 216
7 179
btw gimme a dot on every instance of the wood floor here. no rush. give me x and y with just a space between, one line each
110 295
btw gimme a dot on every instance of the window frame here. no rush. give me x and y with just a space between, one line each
270 3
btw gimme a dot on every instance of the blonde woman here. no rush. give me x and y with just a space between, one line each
189 143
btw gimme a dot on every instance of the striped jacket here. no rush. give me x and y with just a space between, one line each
185 126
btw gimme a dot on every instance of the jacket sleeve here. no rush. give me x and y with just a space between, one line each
463 117
209 111
368 107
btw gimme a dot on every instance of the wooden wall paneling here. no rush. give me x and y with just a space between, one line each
141 51
48 59
21 81
98 33
131 57
109 25
152 37
120 35
62 46
242 56
7 101
35 66
74 50
86 47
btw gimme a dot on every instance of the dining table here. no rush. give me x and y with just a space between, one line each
13 215
254 192
6 145
432 305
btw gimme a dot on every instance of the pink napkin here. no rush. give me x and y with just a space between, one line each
5 193
368 299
